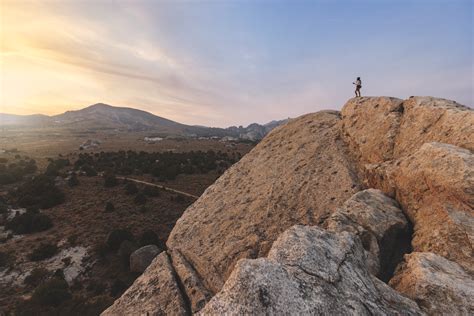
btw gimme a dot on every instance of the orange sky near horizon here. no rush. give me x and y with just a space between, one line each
33 78
222 63
52 61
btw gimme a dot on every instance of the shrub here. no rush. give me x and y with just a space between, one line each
39 192
110 180
5 259
117 287
29 222
109 207
73 181
151 191
55 166
44 251
116 237
131 188
3 207
52 293
72 240
90 172
149 237
180 199
36 277
140 199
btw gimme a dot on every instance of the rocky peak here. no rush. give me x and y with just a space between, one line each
235 250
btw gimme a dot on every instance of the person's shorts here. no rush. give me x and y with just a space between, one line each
358 87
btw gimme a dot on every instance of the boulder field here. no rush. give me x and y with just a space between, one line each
365 211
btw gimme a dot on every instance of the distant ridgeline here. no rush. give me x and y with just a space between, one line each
103 117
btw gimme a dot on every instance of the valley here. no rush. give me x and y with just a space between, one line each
74 242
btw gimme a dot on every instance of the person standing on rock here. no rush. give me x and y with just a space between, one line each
358 84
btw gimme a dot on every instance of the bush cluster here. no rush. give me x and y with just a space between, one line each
14 172
43 251
151 191
131 188
110 180
164 165
30 222
5 259
36 277
73 181
116 237
52 293
55 166
39 192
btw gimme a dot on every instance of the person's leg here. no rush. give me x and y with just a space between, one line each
356 92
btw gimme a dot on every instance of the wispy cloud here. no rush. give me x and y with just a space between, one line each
228 63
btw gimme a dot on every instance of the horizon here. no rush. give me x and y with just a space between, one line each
230 63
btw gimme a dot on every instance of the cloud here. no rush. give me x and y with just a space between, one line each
226 63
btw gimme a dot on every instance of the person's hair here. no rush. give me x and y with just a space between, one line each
358 78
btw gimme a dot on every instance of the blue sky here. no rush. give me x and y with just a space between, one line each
221 63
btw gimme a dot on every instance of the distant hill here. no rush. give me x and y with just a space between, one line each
35 119
107 117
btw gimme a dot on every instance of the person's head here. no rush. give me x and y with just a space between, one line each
358 78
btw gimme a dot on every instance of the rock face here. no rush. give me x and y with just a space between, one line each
435 186
296 175
145 296
440 286
381 226
308 271
371 126
428 119
141 258
417 151
381 128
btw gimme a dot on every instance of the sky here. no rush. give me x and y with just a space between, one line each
222 63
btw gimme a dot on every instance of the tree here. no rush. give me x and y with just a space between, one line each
140 199
109 207
39 192
131 188
110 180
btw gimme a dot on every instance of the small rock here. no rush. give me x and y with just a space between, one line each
440 286
141 258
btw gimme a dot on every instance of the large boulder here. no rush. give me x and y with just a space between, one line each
435 186
308 271
141 258
146 295
297 175
371 125
428 119
379 129
439 286
381 226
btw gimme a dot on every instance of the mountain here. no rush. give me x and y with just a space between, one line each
107 117
364 211
35 119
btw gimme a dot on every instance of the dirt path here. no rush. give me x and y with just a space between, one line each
160 186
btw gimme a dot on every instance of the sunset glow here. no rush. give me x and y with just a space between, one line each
223 63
